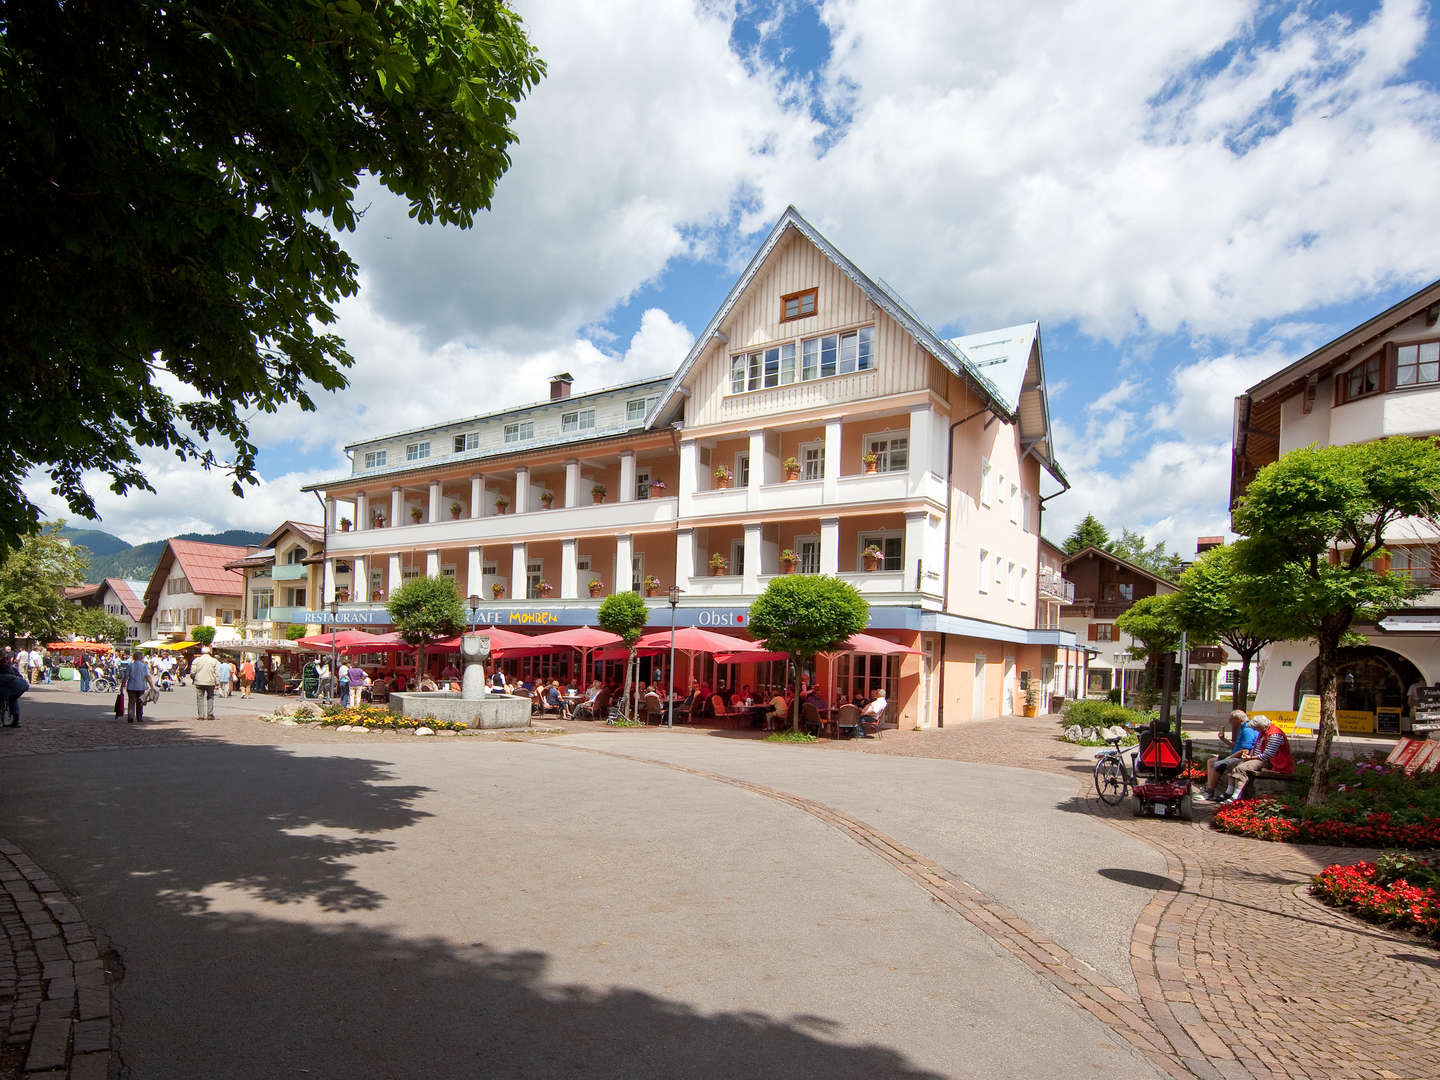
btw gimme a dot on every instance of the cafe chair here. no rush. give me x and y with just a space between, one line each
878 720
810 719
846 718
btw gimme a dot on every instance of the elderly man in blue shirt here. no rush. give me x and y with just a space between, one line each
1242 738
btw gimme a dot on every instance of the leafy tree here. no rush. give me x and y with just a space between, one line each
202 635
806 614
96 624
425 610
175 175
33 579
1133 548
1153 622
624 613
1210 607
1315 519
1089 533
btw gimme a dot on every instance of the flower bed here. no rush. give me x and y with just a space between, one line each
1396 889
376 717
1369 804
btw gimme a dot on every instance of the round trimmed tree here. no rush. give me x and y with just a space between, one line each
425 610
806 614
624 613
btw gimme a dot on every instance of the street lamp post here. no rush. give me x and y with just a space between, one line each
1120 666
674 597
334 607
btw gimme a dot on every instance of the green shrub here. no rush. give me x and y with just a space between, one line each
791 737
1115 696
1098 714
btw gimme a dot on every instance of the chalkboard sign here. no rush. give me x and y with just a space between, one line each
1387 721
1427 709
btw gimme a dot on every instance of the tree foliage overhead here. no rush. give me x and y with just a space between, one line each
33 579
1315 519
1129 545
175 172
1154 623
805 614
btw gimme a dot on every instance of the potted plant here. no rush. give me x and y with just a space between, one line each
344 524
651 584
377 519
872 556
416 514
718 564
597 492
789 560
497 589
455 511
343 595
376 595
870 460
501 502
596 586
791 465
723 476
543 588
1032 700
548 498
657 486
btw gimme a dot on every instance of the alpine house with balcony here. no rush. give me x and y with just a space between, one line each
816 426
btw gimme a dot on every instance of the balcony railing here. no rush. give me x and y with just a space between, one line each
1097 609
1055 587
289 572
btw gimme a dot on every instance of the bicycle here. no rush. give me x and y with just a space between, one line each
1113 778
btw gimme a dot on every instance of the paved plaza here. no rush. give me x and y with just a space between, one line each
239 899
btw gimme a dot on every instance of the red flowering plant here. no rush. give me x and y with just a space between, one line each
1397 889
1369 805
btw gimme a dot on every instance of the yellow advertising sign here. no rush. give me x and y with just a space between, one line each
1307 720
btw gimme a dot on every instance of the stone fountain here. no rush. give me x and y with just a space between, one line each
472 706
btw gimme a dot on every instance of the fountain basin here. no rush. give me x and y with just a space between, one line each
489 712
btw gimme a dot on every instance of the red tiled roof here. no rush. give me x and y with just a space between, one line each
204 567
132 604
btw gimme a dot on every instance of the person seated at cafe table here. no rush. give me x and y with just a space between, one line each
694 699
779 712
450 674
553 699
872 713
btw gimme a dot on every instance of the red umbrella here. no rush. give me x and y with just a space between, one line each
693 639
584 639
502 643
750 657
338 640
391 642
871 645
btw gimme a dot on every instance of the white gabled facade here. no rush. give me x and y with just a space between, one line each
814 416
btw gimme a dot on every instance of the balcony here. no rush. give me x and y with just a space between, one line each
289 572
1055 587
288 614
504 528
788 495
1095 609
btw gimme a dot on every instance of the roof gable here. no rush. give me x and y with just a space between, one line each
125 593
1110 556
203 566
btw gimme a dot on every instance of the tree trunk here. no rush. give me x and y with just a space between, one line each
1329 642
419 666
1242 685
795 706
625 693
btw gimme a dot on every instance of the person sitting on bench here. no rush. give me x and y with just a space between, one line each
1242 737
1272 752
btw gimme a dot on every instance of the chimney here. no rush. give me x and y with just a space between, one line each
560 386
1205 543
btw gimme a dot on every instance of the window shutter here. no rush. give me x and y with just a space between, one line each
1387 367
1094 631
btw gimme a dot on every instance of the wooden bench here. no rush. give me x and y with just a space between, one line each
1270 782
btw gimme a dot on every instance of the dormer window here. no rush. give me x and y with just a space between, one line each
523 431
798 305
1365 378
579 420
469 441
374 459
417 451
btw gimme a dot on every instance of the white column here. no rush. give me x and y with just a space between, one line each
397 506
327 590
572 483
359 580
362 511
688 478
830 488
627 476
474 581
522 491
624 556
517 570
919 447
477 498
569 573
916 531
751 580
395 578
829 545
432 563
757 466
434 514
684 557
330 525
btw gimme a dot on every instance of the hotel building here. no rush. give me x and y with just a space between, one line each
816 419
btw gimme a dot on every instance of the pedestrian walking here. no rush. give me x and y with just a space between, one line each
138 682
84 667
224 676
247 676
204 673
35 661
355 678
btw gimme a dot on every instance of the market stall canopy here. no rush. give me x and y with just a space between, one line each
80 646
173 646
693 639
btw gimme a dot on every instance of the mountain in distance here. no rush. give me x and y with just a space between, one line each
111 556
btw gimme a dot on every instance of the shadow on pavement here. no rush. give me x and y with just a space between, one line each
1139 878
174 851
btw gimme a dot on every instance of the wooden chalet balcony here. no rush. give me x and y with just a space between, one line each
1095 609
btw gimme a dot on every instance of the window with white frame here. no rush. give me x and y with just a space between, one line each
522 431
260 603
1015 503
999 568
812 461
469 441
837 354
374 459
637 572
409 572
583 563
892 452
1025 512
742 469
1011 581
984 579
1024 595
577 420
448 572
892 550
642 483
762 369
377 581
489 569
417 451
987 482
637 408
534 574
808 550
737 556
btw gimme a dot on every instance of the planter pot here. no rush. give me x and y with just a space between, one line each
871 564
791 475
721 485
375 596
1029 710
416 518
598 499
454 515
872 466
596 591
344 526
788 567
498 594
499 509
546 591
718 571
547 503
650 590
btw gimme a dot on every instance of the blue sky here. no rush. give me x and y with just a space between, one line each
1187 197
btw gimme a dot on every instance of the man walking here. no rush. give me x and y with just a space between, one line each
35 661
224 674
137 681
204 673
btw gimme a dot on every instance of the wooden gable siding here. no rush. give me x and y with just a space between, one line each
901 366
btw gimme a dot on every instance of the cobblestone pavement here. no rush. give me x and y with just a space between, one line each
1240 973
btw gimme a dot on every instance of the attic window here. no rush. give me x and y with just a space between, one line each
1362 380
798 305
